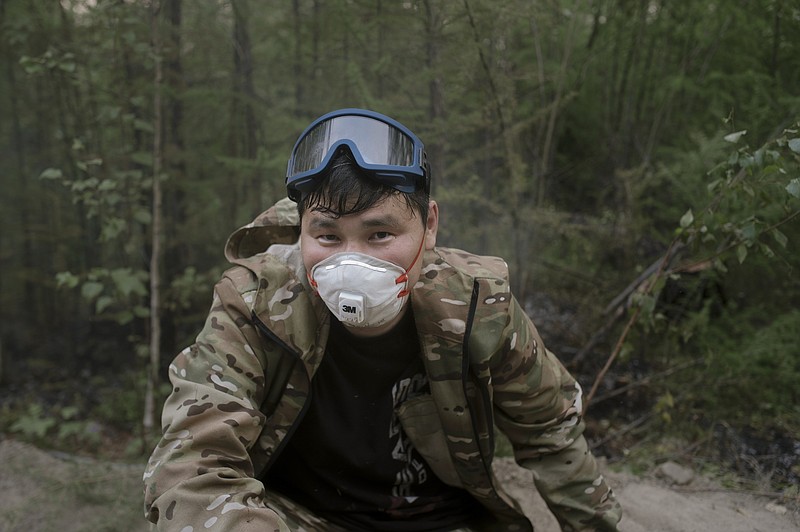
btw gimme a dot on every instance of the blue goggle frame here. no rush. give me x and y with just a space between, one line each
382 147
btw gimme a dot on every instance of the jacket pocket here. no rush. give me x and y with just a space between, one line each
421 423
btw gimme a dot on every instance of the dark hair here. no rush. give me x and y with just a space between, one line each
347 189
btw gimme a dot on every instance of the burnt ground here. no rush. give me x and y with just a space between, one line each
45 491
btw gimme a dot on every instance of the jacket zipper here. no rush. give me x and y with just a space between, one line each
465 376
260 325
487 406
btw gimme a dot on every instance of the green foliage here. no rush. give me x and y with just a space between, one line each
756 370
33 424
729 301
752 197
120 399
61 427
51 59
188 287
577 144
117 294
664 407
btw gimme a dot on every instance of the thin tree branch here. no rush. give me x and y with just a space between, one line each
647 380
634 317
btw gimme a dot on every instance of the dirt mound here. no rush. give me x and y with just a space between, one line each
651 505
43 492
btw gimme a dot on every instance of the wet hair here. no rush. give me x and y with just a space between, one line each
347 189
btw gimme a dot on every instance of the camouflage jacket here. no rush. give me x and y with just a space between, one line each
239 390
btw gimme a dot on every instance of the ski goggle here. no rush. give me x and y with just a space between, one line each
385 149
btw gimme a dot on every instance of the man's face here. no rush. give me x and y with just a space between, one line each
389 231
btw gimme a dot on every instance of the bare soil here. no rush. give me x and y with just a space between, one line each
652 505
42 491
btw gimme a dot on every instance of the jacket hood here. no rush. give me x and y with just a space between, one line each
280 224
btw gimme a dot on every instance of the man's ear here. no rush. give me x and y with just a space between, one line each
431 225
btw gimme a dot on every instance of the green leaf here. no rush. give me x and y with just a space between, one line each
648 304
771 169
113 198
143 158
741 253
734 137
687 219
780 238
67 279
91 289
97 273
143 216
103 302
69 412
794 145
112 228
759 157
107 184
124 317
128 282
68 66
141 125
793 187
749 231
772 156
51 173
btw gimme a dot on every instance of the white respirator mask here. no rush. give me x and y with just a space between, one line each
361 290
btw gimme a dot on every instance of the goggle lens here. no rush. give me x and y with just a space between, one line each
377 142
382 147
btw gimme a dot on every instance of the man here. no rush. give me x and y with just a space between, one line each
350 373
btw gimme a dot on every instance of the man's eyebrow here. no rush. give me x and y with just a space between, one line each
319 222
325 222
381 221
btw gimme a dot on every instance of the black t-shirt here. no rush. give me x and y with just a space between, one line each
349 460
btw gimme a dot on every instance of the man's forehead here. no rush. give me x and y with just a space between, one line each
391 212
369 218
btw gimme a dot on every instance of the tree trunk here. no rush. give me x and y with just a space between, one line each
177 252
246 145
297 61
22 173
436 145
148 421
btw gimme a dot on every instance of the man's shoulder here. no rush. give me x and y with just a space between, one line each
279 264
280 224
471 264
449 280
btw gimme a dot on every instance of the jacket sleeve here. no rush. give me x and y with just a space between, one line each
538 406
201 475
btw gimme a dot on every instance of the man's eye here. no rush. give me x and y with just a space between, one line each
381 235
328 238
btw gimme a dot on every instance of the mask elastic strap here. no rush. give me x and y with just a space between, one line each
404 277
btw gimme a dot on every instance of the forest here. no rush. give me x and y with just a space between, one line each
636 162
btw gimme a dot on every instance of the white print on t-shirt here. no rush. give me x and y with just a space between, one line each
414 468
